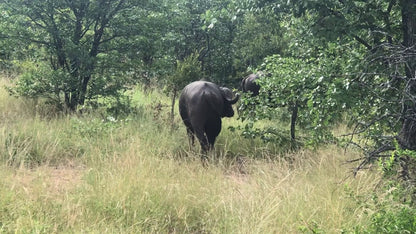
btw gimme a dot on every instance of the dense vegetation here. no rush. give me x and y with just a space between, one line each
83 64
94 173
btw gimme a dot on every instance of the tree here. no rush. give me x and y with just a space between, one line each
258 34
187 71
73 35
311 89
207 27
373 65
384 33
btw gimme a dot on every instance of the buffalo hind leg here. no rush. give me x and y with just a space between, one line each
191 136
200 134
189 131
211 141
213 130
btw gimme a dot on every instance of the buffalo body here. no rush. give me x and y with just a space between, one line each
202 104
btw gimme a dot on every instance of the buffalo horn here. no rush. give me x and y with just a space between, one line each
233 101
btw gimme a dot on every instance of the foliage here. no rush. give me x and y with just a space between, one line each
402 220
187 71
389 164
71 36
325 61
202 26
361 60
316 86
258 35
39 81
89 173
140 40
389 212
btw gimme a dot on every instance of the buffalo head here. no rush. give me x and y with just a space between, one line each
229 100
248 84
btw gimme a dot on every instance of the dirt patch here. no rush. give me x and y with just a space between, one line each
62 179
48 180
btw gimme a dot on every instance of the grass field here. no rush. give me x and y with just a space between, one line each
96 174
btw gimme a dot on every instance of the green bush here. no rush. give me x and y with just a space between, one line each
38 80
388 212
400 220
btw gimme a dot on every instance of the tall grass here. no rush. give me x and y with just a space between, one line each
138 175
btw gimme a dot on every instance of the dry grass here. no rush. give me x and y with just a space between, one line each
140 177
309 193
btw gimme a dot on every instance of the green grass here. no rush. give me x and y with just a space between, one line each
138 175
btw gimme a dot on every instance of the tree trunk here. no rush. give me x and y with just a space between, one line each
407 136
71 100
172 111
83 89
293 121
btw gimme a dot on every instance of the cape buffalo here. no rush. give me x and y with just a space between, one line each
248 84
202 104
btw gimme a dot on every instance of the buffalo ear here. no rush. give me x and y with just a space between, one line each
228 95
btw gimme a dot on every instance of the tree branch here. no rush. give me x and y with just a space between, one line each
362 41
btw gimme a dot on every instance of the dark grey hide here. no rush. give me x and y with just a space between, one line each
202 105
248 84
